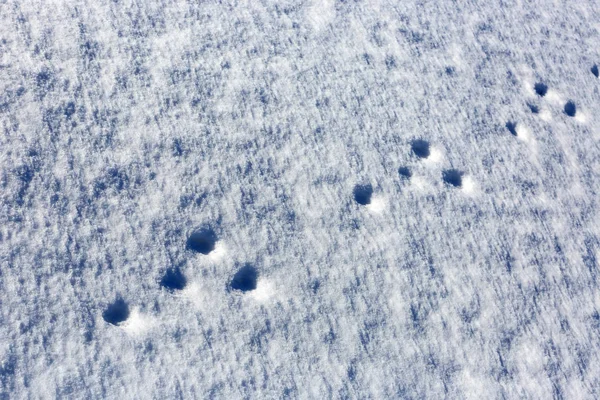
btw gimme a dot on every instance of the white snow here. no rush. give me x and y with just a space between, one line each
137 323
470 271
321 13
377 204
265 290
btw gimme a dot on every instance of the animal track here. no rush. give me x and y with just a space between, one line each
117 312
534 109
421 148
512 127
173 280
202 241
570 109
245 279
541 89
453 177
405 172
595 71
363 193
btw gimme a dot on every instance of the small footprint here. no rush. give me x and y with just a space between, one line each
512 127
534 109
453 177
173 280
363 193
570 108
421 148
117 312
202 241
595 71
541 89
245 279
405 172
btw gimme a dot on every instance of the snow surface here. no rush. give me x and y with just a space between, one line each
127 127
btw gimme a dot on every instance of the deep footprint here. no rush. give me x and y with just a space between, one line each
173 280
202 241
362 194
117 312
570 109
541 89
453 177
245 279
421 148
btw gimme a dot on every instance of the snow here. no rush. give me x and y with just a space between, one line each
137 323
467 268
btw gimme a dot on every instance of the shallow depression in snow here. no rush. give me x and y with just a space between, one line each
404 172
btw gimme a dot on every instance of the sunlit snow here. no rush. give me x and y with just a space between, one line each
313 200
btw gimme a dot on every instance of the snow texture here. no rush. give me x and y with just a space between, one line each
317 199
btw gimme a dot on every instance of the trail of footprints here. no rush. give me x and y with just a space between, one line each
541 89
204 240
422 150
